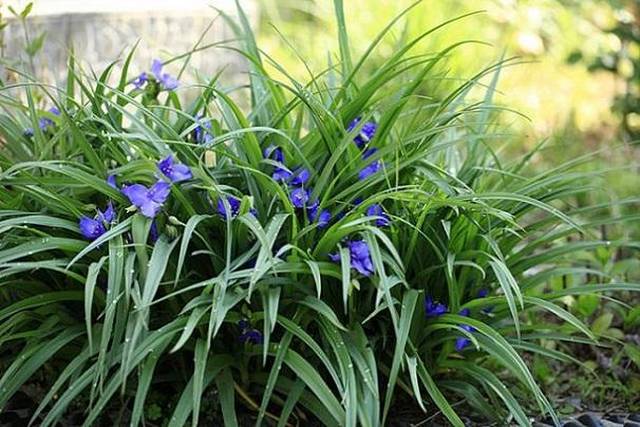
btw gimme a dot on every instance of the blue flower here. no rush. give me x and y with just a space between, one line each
45 122
299 197
140 80
370 170
323 218
148 200
202 133
111 180
368 153
300 177
367 131
164 79
234 205
176 172
249 335
109 215
281 174
463 342
434 309
360 257
153 231
91 228
275 153
334 257
382 219
483 293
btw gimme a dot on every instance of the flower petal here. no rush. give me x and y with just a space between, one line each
91 228
160 191
137 194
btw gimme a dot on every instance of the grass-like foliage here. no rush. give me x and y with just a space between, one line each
341 246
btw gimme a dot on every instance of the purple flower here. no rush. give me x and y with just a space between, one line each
334 257
299 197
367 131
140 80
164 79
483 293
281 174
382 219
462 342
300 177
434 309
109 215
360 257
234 205
91 228
275 153
153 231
249 335
368 153
44 122
202 133
111 180
323 218
370 170
176 172
148 200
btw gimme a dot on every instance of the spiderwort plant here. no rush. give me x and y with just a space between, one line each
154 316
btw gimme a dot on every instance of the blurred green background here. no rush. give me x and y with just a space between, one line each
575 73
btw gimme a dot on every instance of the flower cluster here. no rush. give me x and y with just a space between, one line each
362 139
434 309
164 80
359 251
299 191
148 200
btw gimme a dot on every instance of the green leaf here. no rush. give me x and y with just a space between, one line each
601 324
